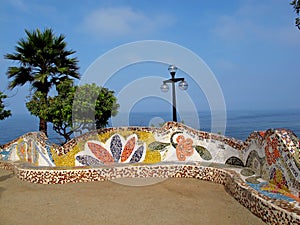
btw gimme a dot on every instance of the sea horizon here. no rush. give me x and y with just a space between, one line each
239 123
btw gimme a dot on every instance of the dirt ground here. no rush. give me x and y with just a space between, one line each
173 201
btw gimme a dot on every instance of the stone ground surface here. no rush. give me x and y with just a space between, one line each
173 201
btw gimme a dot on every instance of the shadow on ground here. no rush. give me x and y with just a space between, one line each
5 177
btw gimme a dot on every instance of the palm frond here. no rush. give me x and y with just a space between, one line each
43 60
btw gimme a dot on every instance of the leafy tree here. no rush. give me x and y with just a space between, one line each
93 105
3 113
60 110
43 62
296 6
56 110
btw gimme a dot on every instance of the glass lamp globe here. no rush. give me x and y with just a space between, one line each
183 85
172 69
164 87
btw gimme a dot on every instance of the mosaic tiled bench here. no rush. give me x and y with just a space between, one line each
262 173
270 210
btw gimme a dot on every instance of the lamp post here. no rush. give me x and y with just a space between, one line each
183 85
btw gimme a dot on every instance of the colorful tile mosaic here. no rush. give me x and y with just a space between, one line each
262 172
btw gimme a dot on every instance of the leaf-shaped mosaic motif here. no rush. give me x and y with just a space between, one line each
171 138
101 153
29 151
137 155
35 155
203 152
235 161
128 149
22 148
253 180
247 172
116 147
88 160
156 145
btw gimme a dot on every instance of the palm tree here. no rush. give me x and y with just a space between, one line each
43 62
296 6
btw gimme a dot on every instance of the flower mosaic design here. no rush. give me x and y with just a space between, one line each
184 147
271 150
27 151
119 151
88 160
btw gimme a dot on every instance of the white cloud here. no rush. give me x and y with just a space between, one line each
124 22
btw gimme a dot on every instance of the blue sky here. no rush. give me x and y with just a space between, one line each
251 46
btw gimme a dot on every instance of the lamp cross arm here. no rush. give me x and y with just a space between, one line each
173 80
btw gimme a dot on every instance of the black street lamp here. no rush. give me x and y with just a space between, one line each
183 85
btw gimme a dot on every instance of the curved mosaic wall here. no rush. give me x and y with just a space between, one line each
266 163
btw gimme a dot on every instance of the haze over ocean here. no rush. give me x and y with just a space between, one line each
240 123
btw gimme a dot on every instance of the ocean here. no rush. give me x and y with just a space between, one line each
239 124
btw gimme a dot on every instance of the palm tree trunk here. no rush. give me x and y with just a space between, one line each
43 122
43 126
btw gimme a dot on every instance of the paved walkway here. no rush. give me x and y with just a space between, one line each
173 201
